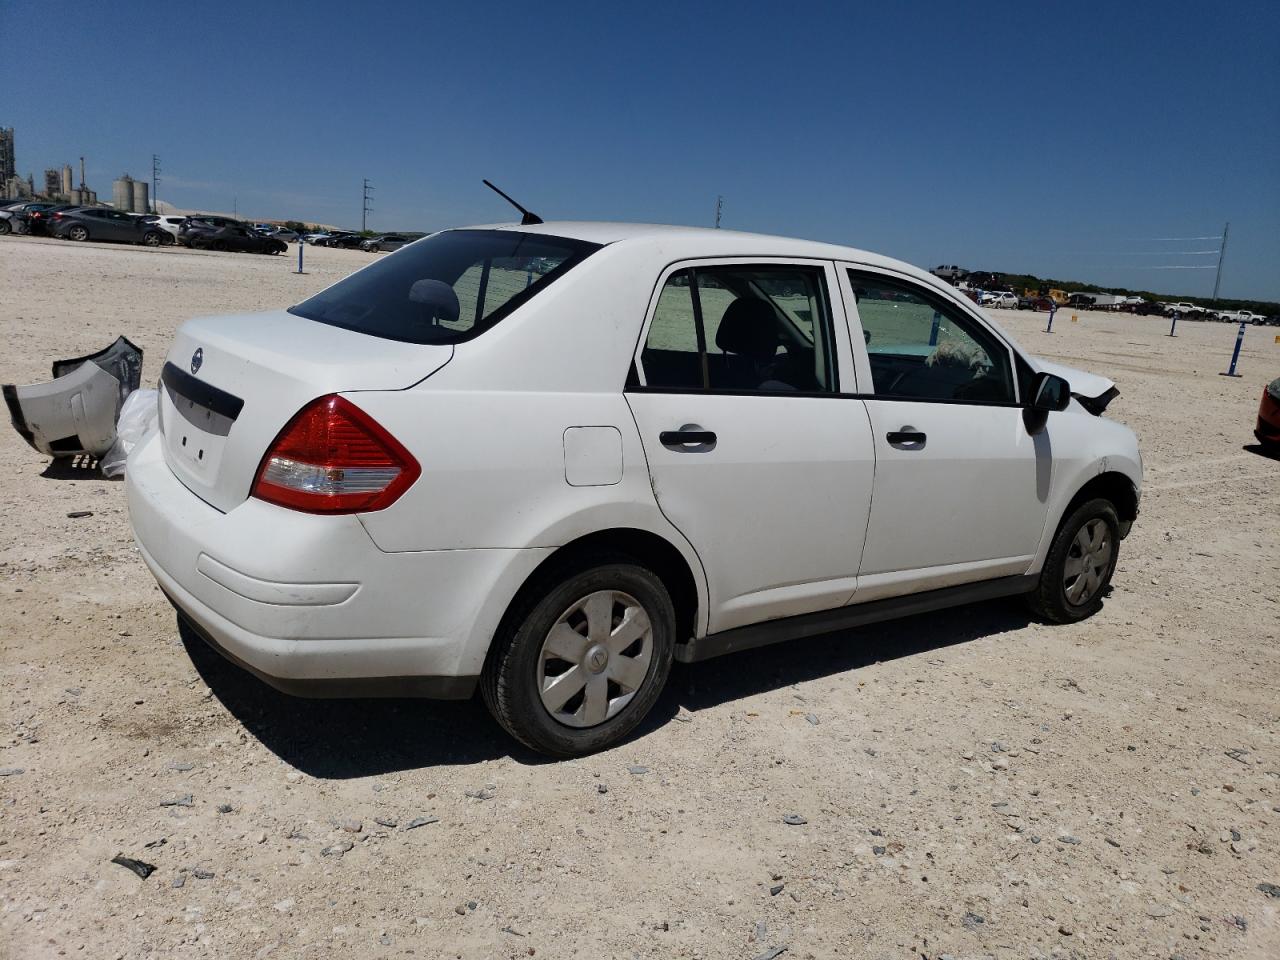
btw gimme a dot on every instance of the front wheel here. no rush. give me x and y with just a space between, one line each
153 239
1078 568
5 227
581 662
78 233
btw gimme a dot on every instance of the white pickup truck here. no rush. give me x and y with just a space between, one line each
1241 316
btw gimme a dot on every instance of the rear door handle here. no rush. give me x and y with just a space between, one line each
686 436
908 438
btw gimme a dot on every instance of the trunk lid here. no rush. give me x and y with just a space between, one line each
231 384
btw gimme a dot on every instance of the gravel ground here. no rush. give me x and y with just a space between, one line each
968 783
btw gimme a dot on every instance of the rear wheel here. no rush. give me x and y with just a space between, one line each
78 233
581 662
5 228
1078 568
152 239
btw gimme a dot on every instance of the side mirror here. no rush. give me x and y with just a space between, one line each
1050 393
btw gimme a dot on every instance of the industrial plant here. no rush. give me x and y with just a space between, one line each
127 194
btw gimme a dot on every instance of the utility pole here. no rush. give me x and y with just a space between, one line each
155 182
82 186
1222 252
719 207
365 209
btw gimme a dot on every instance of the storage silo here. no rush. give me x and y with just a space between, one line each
75 196
140 192
122 193
67 184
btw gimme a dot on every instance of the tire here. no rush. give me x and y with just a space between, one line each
218 246
547 636
152 239
5 228
1077 554
77 232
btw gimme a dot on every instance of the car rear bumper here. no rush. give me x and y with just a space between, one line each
309 603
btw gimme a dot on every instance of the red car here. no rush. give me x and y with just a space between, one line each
1268 430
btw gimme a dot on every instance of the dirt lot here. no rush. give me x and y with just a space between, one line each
974 784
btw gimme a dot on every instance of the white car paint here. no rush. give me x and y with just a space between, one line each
528 441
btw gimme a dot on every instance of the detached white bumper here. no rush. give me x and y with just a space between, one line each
309 603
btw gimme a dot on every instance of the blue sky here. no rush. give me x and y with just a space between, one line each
1056 138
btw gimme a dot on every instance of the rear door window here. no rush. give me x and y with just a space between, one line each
744 328
447 288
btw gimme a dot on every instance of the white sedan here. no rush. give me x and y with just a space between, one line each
548 460
1000 300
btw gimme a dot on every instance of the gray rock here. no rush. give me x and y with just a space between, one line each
11 771
480 794
1114 843
181 766
179 881
417 822
878 851
972 919
352 826
771 953
1270 889
775 889
185 800
1160 910
601 788
202 873
337 849
794 820
812 718
386 822
471 904
460 910
637 770
1067 838
225 808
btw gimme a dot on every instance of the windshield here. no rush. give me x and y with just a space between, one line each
447 288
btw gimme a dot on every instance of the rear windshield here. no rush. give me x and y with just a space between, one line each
447 288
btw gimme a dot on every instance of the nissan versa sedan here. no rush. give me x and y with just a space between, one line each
546 461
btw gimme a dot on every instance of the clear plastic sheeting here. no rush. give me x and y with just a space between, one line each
75 413
138 418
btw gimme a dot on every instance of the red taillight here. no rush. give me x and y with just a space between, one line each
332 457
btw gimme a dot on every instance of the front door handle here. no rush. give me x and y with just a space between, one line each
691 435
907 438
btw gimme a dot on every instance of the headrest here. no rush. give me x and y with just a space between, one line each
749 328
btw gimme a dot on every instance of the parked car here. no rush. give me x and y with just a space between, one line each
103 223
550 486
15 218
951 273
1268 428
1035 303
283 233
1000 299
385 243
195 225
344 241
39 221
168 223
315 239
236 238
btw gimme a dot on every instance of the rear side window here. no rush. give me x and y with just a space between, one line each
754 329
447 288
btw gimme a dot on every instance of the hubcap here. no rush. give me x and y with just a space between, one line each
1088 560
595 658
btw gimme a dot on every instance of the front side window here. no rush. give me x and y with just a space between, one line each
922 348
448 288
748 328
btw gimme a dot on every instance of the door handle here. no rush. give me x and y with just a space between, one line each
907 438
686 436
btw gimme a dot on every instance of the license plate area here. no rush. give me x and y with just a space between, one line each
197 418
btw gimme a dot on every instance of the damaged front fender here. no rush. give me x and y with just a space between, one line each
76 412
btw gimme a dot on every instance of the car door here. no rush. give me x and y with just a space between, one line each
754 454
121 226
961 485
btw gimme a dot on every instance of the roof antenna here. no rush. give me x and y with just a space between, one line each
528 219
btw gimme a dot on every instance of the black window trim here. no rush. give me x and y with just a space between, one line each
942 304
690 265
